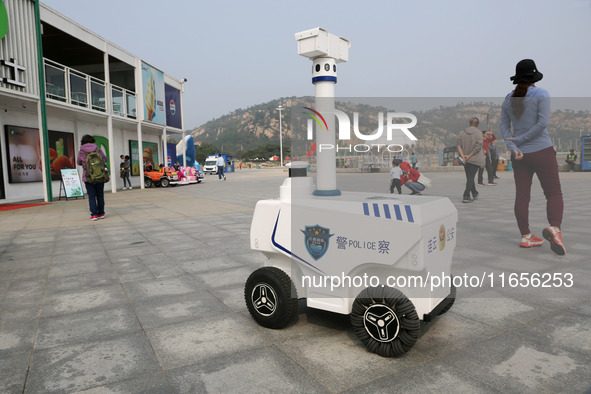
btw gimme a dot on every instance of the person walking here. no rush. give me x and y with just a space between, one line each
494 159
487 138
126 171
471 152
413 160
525 115
94 175
220 163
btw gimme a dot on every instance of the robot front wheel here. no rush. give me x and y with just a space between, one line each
385 321
271 297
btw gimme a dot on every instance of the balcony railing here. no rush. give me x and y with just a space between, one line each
74 87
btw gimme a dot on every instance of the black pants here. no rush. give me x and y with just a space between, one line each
493 165
396 183
489 173
471 170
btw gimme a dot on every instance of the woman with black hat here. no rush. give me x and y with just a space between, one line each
527 109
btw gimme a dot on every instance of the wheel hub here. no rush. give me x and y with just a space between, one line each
381 323
264 299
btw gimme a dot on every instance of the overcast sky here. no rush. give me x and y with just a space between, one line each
240 53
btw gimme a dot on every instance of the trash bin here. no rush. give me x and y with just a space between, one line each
501 166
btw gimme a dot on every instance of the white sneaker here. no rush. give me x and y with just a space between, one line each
129 187
124 188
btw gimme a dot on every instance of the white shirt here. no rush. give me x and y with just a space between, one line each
395 172
220 161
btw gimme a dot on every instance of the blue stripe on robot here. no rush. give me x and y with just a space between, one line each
398 210
316 239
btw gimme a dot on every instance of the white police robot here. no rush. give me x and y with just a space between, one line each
384 259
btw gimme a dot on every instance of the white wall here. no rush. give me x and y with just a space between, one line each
16 192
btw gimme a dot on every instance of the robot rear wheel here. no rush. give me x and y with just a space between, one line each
385 320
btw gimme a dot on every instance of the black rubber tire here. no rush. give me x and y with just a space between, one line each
148 183
402 326
164 182
271 297
452 298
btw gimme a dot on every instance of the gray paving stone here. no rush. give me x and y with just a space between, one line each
230 277
214 263
339 361
17 335
514 363
434 377
198 340
154 383
159 288
85 327
81 267
85 365
265 370
84 300
14 367
172 309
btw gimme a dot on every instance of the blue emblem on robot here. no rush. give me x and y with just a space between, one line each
316 239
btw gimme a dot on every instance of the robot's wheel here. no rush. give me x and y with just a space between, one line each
271 297
450 299
385 321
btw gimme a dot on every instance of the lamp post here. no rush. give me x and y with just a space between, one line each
280 108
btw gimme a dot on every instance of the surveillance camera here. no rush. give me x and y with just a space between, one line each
184 80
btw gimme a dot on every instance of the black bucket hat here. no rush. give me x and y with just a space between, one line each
526 72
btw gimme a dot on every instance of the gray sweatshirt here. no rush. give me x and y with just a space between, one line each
471 141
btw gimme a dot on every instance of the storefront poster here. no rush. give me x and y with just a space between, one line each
149 156
72 183
61 152
173 106
24 155
153 89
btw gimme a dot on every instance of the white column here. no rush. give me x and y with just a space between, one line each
139 105
165 151
113 163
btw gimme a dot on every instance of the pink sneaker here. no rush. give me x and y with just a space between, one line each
531 241
94 218
554 236
101 216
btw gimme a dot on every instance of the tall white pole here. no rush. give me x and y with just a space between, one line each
324 78
280 108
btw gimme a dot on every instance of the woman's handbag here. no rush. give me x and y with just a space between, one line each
424 181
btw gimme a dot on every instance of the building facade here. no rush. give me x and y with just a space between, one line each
69 83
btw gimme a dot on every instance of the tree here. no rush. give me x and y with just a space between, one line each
204 150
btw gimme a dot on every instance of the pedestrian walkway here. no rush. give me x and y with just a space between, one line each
150 299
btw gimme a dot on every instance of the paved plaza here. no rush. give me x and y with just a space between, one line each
150 300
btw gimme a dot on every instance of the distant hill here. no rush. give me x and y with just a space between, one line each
246 129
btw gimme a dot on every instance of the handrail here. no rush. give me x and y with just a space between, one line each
85 98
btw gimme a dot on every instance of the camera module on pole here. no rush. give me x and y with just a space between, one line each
383 259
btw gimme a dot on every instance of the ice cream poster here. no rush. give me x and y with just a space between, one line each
153 91
61 153
24 154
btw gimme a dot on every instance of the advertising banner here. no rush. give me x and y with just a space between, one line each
173 107
61 152
170 153
149 156
153 88
24 155
72 183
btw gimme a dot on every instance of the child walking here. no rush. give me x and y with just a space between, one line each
395 174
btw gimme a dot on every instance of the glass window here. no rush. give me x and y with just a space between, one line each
97 91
